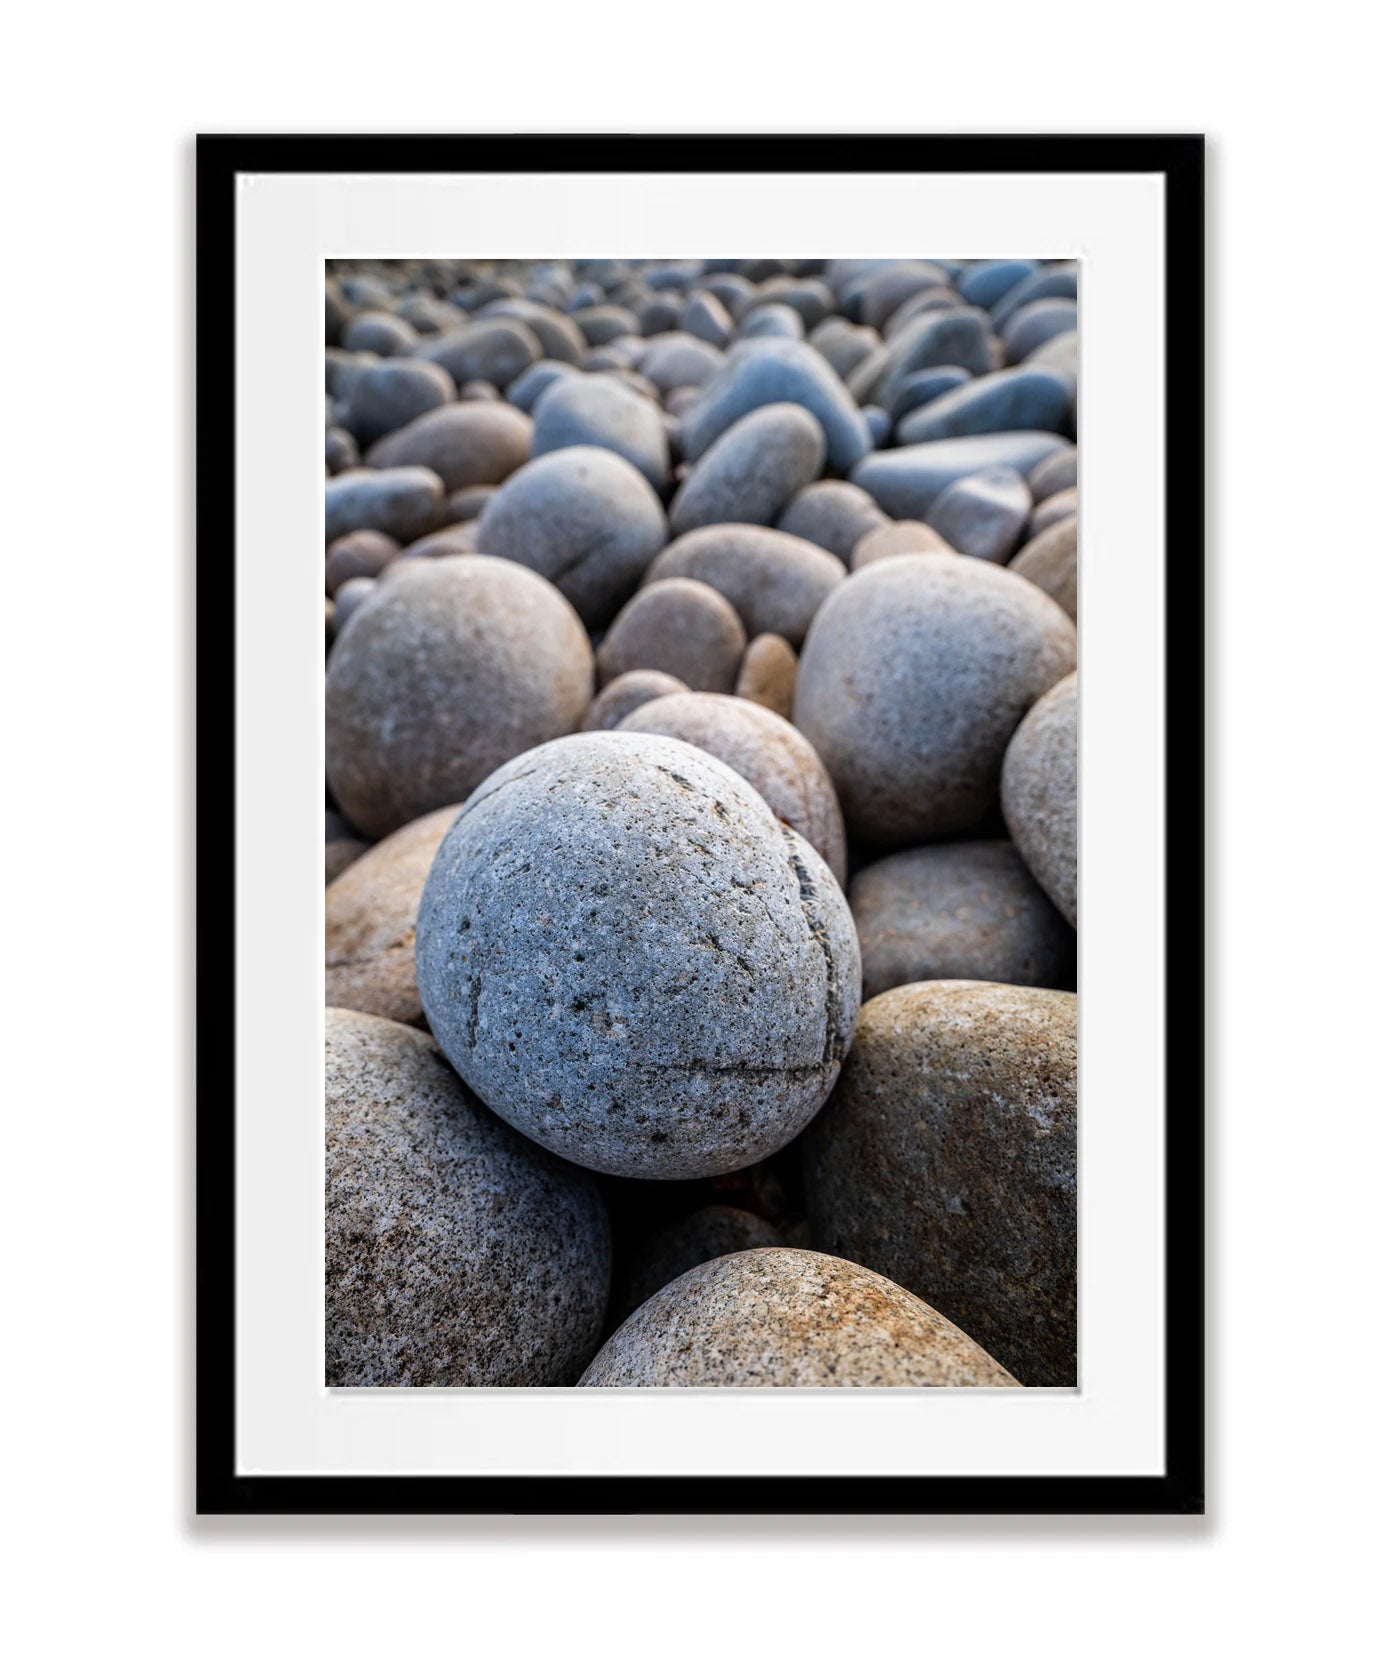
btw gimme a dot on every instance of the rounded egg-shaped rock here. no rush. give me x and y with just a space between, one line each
585 519
626 955
457 1253
679 626
448 670
760 371
1040 793
946 1161
914 676
615 700
464 443
833 515
767 752
598 409
753 470
789 1318
775 582
395 392
403 504
768 674
371 918
965 910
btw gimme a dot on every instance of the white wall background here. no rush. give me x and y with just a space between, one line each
1286 1575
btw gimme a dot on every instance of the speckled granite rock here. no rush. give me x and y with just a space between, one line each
768 674
915 674
767 752
615 700
946 1161
371 916
625 954
752 471
584 518
448 670
679 626
703 1235
774 581
788 1318
457 1253
464 443
1051 562
965 910
1040 793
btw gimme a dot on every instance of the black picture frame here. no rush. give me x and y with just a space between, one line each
1179 161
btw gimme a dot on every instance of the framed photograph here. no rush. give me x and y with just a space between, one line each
667 1089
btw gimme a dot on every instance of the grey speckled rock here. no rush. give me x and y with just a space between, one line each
625 954
788 1318
774 581
1013 400
625 693
403 504
967 910
457 1254
898 536
757 372
600 410
906 481
395 392
946 1160
445 673
371 916
584 518
1051 562
768 674
983 514
833 515
914 677
753 470
767 752
1040 793
703 1235
464 443
678 626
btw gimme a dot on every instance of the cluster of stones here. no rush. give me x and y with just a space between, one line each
701 874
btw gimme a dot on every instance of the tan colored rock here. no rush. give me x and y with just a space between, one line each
768 674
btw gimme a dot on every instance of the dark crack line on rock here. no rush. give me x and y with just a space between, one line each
807 894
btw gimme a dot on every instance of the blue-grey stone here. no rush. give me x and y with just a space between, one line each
599 409
986 283
1054 280
582 517
498 351
879 423
666 988
833 515
945 338
707 318
559 337
526 391
906 481
886 291
678 360
381 333
752 470
984 514
404 503
1056 472
1017 399
763 371
771 320
773 580
922 387
605 323
464 443
1035 324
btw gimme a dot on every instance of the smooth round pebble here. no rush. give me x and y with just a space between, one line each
946 1161
464 443
1064 504
767 752
392 394
914 677
679 626
834 516
898 536
371 916
1056 472
768 674
1040 793
357 554
598 409
403 504
448 671
775 582
1051 562
983 515
625 693
752 471
965 910
757 372
457 1253
585 519
627 957
789 1318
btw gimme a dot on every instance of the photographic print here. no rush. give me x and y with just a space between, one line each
699 955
